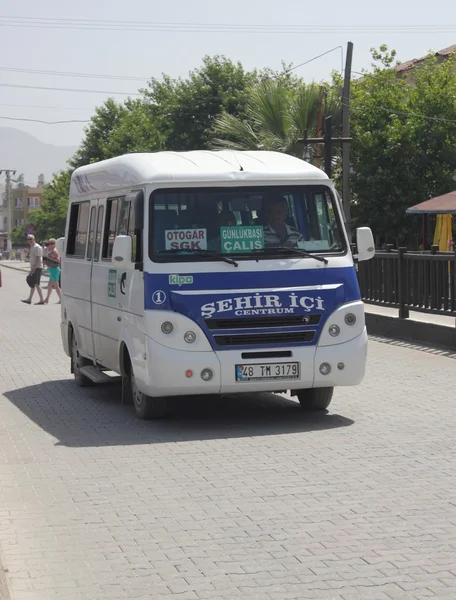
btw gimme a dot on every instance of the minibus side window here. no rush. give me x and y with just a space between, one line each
96 254
131 232
122 221
112 213
78 229
93 215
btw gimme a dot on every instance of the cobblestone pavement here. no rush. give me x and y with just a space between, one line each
228 498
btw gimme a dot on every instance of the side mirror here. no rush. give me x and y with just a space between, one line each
121 252
365 243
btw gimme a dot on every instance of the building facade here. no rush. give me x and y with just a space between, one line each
24 200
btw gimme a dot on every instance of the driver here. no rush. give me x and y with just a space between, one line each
277 232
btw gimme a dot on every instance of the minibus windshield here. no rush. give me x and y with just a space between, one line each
245 223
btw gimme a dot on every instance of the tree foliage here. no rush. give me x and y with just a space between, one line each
172 114
98 133
278 114
404 142
403 130
183 110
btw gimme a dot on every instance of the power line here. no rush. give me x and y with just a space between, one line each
352 108
36 87
46 107
63 20
185 27
102 92
70 74
405 114
319 56
85 20
44 122
143 79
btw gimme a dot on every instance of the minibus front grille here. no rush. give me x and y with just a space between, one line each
260 339
263 322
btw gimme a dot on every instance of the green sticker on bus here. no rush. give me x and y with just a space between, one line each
112 281
242 238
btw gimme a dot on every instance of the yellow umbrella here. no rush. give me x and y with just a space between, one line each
443 236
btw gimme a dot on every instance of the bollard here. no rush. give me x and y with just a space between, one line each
0 278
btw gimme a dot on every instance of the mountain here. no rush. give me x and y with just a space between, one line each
26 154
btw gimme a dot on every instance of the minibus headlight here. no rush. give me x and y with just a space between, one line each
167 327
334 330
350 319
189 337
207 374
325 368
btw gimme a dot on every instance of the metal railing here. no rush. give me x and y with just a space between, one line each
419 281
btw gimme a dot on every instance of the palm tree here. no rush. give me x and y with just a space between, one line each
277 118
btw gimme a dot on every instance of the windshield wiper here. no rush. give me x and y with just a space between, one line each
201 252
299 252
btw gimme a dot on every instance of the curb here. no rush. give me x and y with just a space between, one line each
419 332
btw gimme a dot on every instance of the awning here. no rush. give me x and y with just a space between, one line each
441 205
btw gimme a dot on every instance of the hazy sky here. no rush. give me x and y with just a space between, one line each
411 31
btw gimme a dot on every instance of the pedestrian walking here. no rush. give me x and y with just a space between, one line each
36 269
52 261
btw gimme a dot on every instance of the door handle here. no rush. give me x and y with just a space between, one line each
119 319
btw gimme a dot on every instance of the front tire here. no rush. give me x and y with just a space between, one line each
146 408
315 398
77 362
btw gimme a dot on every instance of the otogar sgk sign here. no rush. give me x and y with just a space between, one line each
186 239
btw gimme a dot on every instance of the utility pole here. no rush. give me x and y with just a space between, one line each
328 141
9 208
346 134
328 145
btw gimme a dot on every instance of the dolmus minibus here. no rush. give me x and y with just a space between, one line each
187 273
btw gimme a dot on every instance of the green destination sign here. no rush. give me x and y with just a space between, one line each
242 238
112 282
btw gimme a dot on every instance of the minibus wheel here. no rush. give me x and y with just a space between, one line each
315 398
146 407
77 362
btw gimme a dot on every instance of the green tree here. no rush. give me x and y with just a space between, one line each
183 110
404 143
107 117
173 114
278 113
134 132
48 220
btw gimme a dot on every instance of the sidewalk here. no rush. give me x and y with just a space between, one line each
441 320
19 265
420 328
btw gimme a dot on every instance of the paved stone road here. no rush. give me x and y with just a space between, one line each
227 499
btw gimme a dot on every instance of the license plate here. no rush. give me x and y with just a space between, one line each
267 372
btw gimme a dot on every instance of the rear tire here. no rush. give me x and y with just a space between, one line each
77 362
315 398
146 408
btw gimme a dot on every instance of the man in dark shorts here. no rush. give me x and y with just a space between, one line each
36 269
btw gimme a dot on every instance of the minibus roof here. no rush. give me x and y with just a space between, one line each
169 169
